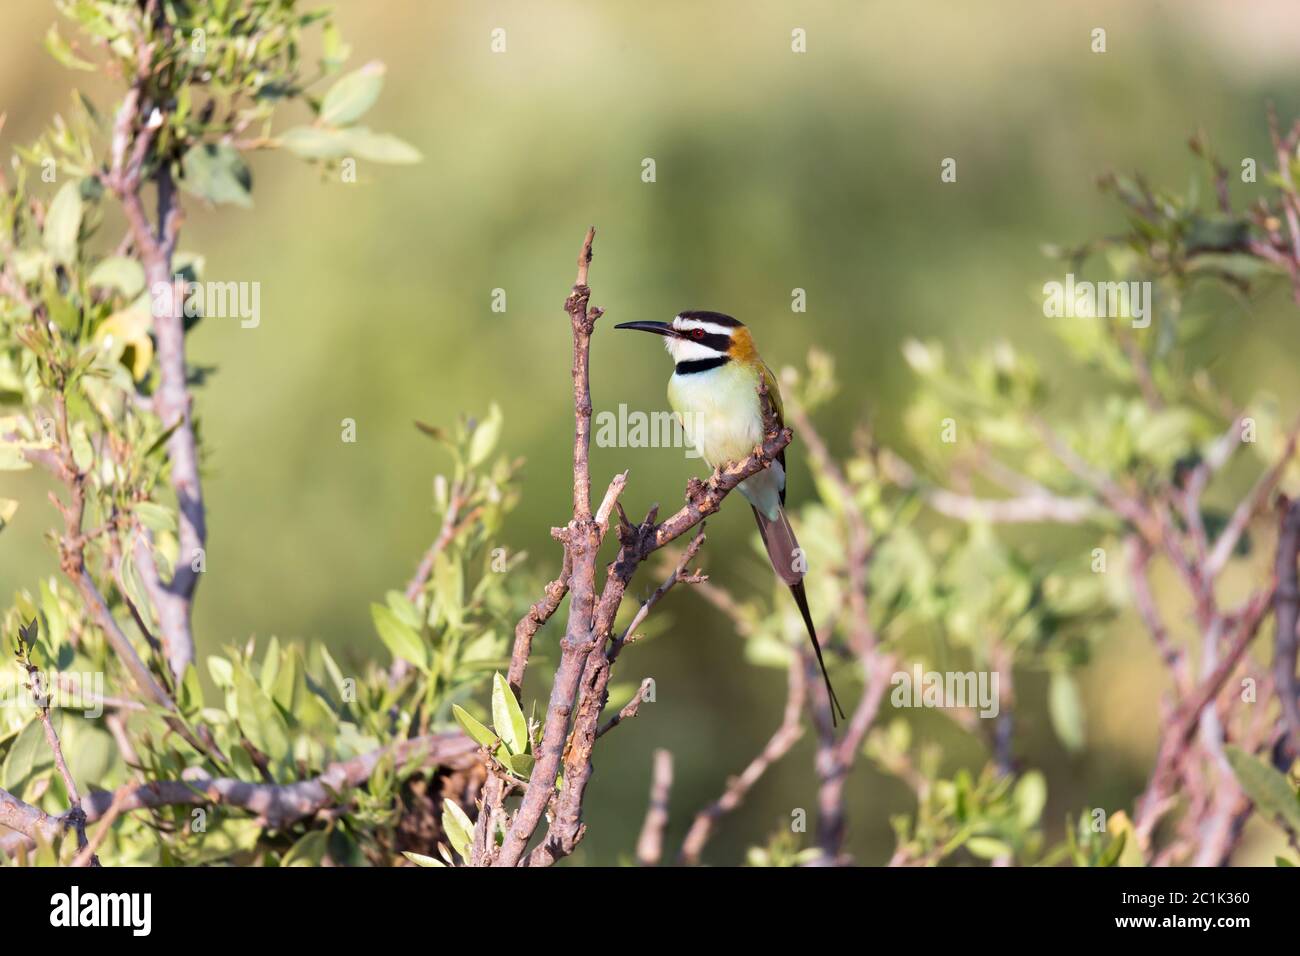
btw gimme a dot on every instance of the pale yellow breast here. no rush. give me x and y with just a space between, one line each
719 411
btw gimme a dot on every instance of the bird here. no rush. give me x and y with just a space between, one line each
714 391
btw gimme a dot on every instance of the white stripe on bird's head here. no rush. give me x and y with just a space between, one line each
708 326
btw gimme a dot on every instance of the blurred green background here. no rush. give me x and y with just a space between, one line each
774 171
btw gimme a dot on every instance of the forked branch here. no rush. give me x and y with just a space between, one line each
590 646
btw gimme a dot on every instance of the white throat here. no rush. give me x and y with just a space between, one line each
684 350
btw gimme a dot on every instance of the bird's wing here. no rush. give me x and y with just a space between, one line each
774 392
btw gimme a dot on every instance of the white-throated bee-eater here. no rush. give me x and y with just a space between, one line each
714 391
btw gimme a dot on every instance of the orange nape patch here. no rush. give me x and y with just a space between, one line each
742 346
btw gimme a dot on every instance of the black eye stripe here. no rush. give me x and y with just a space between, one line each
713 340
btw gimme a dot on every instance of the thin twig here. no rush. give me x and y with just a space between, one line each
1250 506
650 844
277 806
1286 615
629 709
76 816
86 856
785 736
532 622
134 136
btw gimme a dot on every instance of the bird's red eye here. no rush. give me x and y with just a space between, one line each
697 334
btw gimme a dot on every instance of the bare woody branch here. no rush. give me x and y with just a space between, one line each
581 540
275 805
785 736
1180 727
86 855
1035 505
532 622
446 533
76 816
628 710
1250 506
637 544
835 758
1286 604
61 462
650 844
580 685
133 165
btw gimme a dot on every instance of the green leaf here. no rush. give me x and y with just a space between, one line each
12 459
313 142
449 588
1111 855
61 51
121 273
399 637
317 142
988 848
83 452
190 697
91 188
333 50
221 671
335 672
270 665
259 718
1065 706
1218 233
381 147
458 827
1167 435
477 732
354 93
90 755
1236 265
8 508
1122 831
130 327
28 755
507 717
217 172
30 264
289 684
310 849
63 224
1266 787
521 765
134 583
62 310
1030 797
155 517
485 437
419 859
406 612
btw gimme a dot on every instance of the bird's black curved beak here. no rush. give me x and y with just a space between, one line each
658 328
